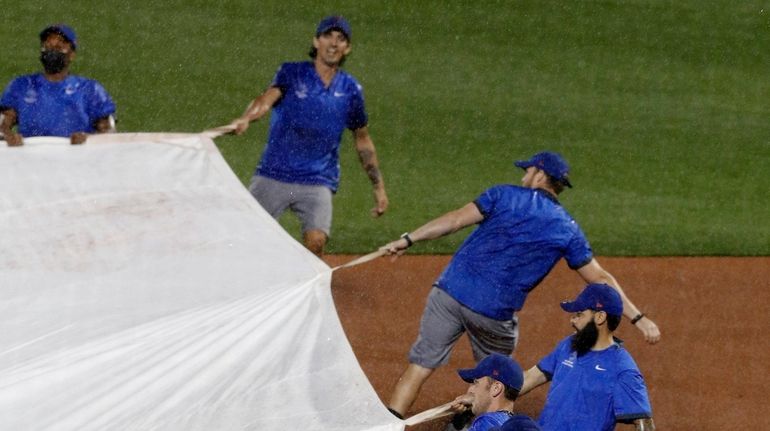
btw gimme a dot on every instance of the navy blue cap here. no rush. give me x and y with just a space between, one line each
66 31
596 297
499 367
552 163
334 22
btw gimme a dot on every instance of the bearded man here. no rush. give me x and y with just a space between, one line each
594 381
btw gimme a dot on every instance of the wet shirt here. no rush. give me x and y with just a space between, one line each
307 123
518 423
523 235
487 421
46 108
594 391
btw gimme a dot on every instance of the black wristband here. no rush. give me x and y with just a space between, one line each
637 318
409 241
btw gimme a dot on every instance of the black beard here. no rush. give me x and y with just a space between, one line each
585 339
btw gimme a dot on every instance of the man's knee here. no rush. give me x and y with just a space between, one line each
315 240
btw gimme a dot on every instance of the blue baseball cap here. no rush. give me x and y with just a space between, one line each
596 297
499 367
64 30
334 22
552 163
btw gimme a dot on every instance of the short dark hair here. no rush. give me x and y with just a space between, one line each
557 185
613 321
511 393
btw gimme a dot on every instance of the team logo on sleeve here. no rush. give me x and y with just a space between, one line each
31 96
301 92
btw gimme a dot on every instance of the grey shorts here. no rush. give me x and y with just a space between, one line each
311 203
445 319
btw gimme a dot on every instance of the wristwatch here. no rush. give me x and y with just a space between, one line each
409 241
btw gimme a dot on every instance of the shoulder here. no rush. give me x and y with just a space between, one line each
349 81
495 198
512 188
623 359
298 67
550 203
509 191
89 85
564 347
84 81
519 423
24 80
565 343
485 421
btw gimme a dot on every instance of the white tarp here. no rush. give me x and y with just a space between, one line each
142 288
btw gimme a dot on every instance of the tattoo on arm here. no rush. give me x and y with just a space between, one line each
369 162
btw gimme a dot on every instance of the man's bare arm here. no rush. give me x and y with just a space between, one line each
533 378
8 120
444 225
646 424
367 155
257 109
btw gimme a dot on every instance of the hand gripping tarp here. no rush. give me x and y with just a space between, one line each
143 288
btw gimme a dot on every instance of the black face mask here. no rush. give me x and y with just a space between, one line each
53 61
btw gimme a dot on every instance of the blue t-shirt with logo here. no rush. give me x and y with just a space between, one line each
593 391
46 108
307 123
523 235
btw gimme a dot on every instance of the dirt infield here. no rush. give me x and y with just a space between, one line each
707 373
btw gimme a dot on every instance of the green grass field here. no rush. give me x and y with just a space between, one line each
660 106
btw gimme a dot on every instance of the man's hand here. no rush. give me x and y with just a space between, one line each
396 248
462 403
78 138
649 330
380 201
241 125
14 139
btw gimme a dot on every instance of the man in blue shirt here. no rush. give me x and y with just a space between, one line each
55 103
522 233
494 386
312 103
594 381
